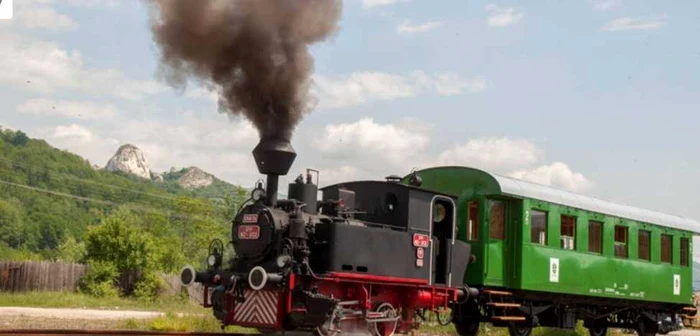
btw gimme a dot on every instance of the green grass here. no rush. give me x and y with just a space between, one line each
204 321
171 322
486 329
78 300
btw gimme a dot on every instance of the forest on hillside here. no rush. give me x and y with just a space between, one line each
51 199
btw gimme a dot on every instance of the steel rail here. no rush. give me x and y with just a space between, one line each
116 332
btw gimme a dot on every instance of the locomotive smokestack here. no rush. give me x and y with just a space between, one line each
273 156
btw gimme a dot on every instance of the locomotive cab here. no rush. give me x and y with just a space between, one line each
408 232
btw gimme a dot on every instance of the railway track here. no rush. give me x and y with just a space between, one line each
62 332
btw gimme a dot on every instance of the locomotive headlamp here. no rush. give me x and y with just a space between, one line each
211 260
283 260
257 194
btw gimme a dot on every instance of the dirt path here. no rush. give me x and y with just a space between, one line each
71 313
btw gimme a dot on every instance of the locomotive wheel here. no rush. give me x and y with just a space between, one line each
384 328
646 328
467 327
331 327
519 330
598 331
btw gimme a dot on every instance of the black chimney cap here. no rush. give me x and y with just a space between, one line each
274 156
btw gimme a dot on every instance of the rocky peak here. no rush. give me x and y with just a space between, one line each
195 178
129 159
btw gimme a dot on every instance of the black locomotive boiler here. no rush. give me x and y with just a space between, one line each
369 254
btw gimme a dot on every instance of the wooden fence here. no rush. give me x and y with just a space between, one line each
28 276
39 276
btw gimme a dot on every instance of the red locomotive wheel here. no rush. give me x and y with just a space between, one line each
384 328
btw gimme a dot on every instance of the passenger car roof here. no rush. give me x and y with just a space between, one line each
495 183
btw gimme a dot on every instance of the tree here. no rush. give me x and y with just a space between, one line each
120 243
71 250
19 139
199 227
118 240
11 223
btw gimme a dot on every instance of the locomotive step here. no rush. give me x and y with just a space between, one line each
508 318
495 292
503 304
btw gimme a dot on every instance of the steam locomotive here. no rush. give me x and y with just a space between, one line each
370 255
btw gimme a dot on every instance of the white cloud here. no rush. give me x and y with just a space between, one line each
333 175
638 23
202 93
501 17
490 153
46 68
365 144
75 3
215 144
84 110
368 149
448 84
44 17
557 174
6 126
406 27
605 5
73 131
367 4
516 158
79 139
363 87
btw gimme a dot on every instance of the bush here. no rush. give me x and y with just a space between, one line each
149 287
99 279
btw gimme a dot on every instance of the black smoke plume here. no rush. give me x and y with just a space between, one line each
255 51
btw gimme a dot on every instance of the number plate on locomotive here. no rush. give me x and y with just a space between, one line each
420 240
248 232
250 218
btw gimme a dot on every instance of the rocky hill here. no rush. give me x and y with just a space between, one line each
129 159
195 178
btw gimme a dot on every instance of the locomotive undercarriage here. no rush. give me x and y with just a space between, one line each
522 311
326 305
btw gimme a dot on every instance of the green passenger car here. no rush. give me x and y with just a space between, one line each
547 257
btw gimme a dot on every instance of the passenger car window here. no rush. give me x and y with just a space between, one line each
644 245
666 248
473 220
538 232
568 232
685 251
621 241
595 237
497 219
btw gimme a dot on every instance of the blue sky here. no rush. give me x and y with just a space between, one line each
597 97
